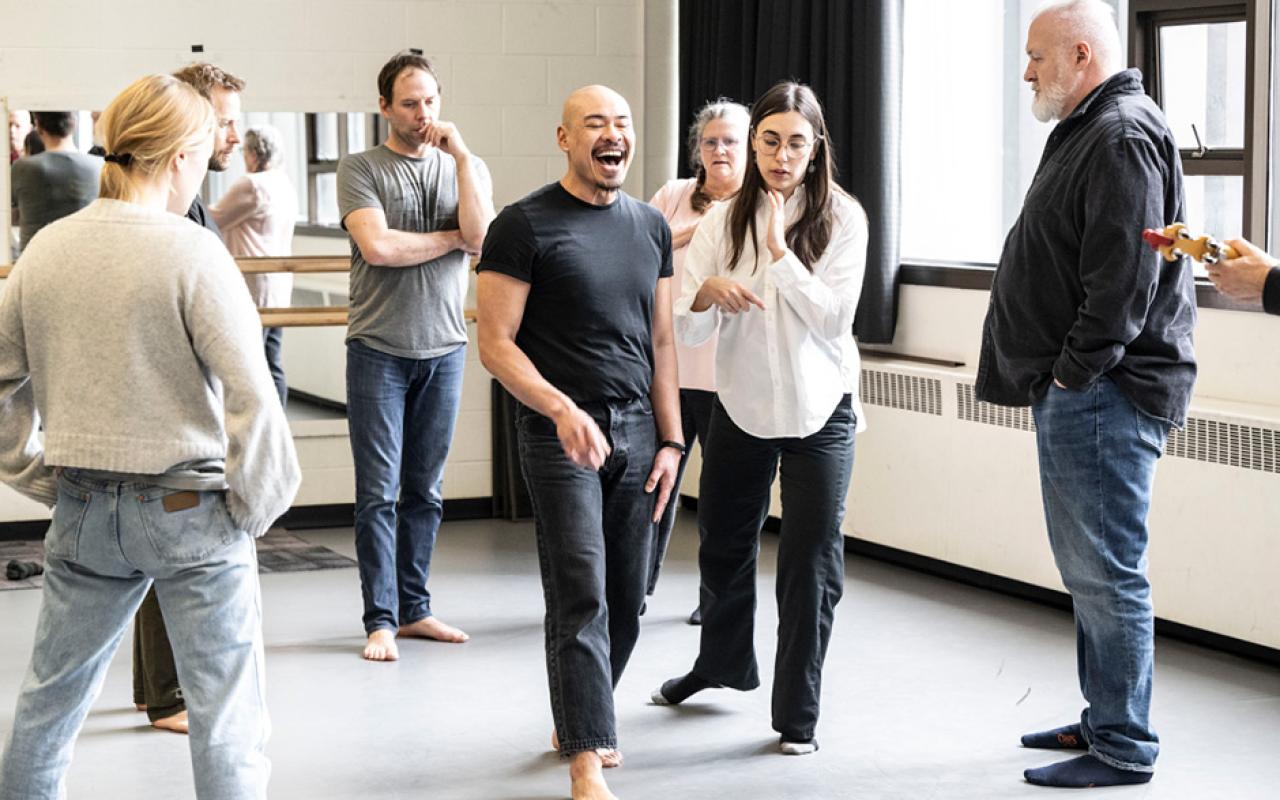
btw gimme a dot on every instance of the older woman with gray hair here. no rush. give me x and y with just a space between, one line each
718 158
257 215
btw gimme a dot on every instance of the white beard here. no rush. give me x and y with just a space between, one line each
1048 104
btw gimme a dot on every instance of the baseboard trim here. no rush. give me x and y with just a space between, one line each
1028 591
317 400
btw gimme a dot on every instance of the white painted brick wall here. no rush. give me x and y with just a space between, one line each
504 66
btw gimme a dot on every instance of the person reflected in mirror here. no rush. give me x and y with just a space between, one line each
57 182
257 215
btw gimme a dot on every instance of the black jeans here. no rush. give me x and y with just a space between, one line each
733 502
695 418
272 341
595 534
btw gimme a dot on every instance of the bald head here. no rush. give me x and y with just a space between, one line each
590 100
1092 22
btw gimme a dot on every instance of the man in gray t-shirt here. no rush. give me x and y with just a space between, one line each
417 208
56 183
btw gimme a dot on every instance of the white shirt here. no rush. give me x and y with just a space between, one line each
782 371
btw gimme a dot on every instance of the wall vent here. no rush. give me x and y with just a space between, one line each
971 409
905 392
1227 443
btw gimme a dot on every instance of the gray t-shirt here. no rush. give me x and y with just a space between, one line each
50 186
410 312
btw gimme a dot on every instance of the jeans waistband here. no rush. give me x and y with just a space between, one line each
85 481
596 407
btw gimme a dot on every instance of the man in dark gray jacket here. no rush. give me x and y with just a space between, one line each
1093 330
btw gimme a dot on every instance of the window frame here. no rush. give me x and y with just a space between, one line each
1252 162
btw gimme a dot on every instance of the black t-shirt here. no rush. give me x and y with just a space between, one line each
201 216
592 272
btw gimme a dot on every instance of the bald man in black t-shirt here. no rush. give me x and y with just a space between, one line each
575 321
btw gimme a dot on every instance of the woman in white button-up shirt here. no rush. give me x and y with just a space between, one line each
777 273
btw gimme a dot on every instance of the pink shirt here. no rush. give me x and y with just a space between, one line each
257 215
697 364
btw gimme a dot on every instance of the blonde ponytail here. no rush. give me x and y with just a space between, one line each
144 127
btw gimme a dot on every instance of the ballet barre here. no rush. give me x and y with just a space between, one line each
294 316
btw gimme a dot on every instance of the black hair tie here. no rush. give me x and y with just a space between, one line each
122 159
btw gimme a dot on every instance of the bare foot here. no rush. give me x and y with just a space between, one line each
609 758
140 706
432 628
586 778
381 646
177 723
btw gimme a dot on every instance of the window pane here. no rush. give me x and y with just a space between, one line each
970 144
356 140
327 198
1215 207
1202 79
327 136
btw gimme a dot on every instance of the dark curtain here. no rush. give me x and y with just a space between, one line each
850 52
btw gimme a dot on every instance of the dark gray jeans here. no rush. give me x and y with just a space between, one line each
595 536
733 502
695 418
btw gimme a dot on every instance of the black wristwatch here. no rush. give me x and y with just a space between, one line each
681 448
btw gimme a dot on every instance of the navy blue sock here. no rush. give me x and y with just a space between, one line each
677 690
1068 737
1083 772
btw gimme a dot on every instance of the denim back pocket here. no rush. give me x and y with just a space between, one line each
1153 432
187 533
63 539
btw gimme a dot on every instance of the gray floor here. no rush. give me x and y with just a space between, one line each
928 685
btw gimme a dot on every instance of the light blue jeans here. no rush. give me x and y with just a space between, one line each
1097 464
108 542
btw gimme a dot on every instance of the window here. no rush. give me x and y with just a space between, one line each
1195 58
970 143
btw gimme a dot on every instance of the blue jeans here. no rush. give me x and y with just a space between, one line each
400 415
108 542
273 347
1097 464
595 537
738 471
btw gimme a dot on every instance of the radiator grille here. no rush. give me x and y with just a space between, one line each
1227 443
905 392
1212 441
971 409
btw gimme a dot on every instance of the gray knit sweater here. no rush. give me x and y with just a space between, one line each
129 334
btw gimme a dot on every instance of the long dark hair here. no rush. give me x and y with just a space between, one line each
719 108
810 234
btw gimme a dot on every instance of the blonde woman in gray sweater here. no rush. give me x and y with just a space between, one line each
126 331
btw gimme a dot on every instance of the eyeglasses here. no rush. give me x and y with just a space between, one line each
768 144
712 145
